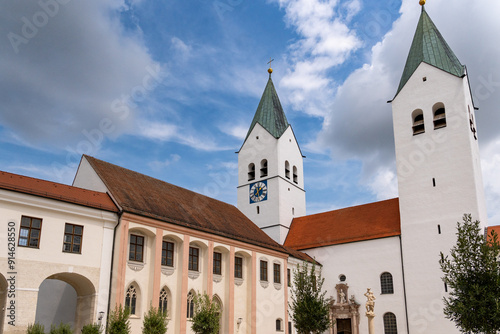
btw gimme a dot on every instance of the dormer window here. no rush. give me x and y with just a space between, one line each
439 116
287 169
418 122
263 168
251 172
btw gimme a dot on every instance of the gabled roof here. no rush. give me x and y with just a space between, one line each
358 223
149 197
57 191
429 46
269 113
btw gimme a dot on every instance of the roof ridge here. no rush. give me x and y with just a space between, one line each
348 207
150 177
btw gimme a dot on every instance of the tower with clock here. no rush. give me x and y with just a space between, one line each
270 169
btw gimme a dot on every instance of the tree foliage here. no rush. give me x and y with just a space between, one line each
35 329
92 329
155 321
472 273
206 318
309 308
118 322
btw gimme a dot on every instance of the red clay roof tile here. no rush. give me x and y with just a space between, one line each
363 222
493 228
150 197
57 191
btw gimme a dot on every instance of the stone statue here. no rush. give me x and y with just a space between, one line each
342 297
370 302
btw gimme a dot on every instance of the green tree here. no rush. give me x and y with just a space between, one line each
206 318
309 308
118 322
472 273
155 321
35 329
92 329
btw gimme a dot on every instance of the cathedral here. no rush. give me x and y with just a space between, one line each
120 237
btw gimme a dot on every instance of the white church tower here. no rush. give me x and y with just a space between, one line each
270 169
438 165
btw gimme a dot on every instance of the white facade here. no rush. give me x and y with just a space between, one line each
86 272
285 195
439 180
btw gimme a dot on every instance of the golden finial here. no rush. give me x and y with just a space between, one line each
270 70
422 2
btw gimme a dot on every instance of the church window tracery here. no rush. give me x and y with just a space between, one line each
131 299
163 301
190 305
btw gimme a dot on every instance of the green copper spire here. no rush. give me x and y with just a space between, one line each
269 113
429 46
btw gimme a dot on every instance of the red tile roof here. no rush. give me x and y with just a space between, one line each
57 191
153 198
493 228
363 222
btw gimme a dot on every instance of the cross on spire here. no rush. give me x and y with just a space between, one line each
270 70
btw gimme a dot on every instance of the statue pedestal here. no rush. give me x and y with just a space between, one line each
371 323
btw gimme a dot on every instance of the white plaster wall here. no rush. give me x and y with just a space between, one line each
283 193
451 156
270 297
87 178
362 263
34 265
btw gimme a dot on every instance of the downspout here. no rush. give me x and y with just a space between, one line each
404 284
111 269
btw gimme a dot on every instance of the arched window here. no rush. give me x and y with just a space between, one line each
251 172
190 305
439 116
418 122
390 326
287 169
295 176
386 283
163 302
263 168
131 298
279 325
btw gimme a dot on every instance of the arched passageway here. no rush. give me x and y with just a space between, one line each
67 298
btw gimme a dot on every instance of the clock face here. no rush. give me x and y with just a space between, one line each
258 191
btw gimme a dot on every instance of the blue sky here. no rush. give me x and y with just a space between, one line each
169 88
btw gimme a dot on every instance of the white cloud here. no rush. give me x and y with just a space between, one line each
65 66
358 125
159 165
325 41
237 131
180 46
169 132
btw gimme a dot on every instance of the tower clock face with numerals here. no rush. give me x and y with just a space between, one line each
258 191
